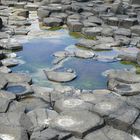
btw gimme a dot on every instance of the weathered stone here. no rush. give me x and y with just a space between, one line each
123 31
84 54
87 43
71 104
31 103
60 76
79 123
74 26
92 32
136 127
108 133
13 132
7 95
4 69
123 88
1 23
31 7
4 104
43 13
3 81
52 22
17 78
124 76
41 118
10 62
136 29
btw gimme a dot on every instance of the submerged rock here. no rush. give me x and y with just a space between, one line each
84 54
60 76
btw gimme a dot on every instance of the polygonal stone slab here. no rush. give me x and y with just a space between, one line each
84 54
4 104
17 78
123 118
124 89
31 103
124 76
60 76
41 117
13 133
108 133
15 119
136 127
3 81
71 104
7 95
79 123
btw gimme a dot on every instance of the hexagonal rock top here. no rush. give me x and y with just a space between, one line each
71 104
108 133
17 78
79 123
60 76
124 76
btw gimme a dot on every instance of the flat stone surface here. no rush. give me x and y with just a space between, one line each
124 76
7 95
84 54
41 118
92 32
13 133
4 69
17 78
108 133
3 81
4 104
124 89
79 123
52 22
71 104
60 76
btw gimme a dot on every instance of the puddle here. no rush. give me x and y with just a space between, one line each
16 89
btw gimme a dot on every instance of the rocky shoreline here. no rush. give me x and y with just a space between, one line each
31 112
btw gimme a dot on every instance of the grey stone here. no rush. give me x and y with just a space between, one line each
124 76
67 104
3 81
136 127
41 118
87 43
1 23
108 133
4 104
92 31
10 62
17 78
84 54
79 123
7 95
13 132
136 29
32 102
74 26
123 88
52 22
123 31
43 13
4 69
60 76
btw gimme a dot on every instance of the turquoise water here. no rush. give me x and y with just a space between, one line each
90 72
38 55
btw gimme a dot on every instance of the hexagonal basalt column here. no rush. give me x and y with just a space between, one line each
79 123
71 104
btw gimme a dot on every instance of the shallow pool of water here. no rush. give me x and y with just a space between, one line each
16 89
